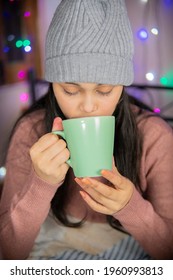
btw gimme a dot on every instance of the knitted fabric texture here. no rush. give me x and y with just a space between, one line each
90 41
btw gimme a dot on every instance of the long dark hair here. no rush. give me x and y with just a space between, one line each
127 148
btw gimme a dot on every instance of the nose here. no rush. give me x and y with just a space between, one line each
88 104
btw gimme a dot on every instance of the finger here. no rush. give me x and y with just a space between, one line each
53 150
57 124
56 167
95 205
114 177
43 143
110 198
61 158
98 191
62 171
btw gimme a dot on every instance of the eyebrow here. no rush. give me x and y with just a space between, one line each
79 85
72 83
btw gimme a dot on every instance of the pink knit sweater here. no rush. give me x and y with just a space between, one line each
26 198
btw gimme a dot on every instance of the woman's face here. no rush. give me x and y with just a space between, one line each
87 99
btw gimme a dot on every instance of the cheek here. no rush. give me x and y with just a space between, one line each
65 105
108 109
110 105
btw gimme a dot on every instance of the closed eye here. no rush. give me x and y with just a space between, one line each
104 92
70 93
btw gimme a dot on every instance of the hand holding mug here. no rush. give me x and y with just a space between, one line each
49 155
106 198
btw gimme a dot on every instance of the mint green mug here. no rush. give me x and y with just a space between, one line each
90 141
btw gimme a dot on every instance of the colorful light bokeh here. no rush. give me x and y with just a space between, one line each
150 76
6 49
167 79
10 37
19 44
154 31
2 172
21 74
157 110
27 14
23 43
24 97
27 49
168 3
143 34
26 42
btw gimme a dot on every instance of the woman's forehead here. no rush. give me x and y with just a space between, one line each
86 85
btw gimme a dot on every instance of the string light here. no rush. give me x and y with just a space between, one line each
26 43
27 49
2 172
150 76
6 49
24 97
167 79
10 37
154 31
142 34
27 14
164 81
21 74
19 44
157 110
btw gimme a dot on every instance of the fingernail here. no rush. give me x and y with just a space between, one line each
86 181
105 172
56 123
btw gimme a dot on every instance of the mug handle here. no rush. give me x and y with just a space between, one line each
62 134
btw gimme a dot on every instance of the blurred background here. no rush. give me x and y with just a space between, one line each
23 26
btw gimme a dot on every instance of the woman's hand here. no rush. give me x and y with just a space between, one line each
49 155
106 198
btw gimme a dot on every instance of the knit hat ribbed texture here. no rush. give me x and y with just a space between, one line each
90 41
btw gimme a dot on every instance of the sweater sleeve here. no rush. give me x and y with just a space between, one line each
149 218
25 201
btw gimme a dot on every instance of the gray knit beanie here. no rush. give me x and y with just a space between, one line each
90 41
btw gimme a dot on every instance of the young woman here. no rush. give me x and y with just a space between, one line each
126 213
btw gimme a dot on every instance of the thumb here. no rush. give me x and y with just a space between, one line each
57 124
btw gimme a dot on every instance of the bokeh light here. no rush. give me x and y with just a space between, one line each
26 43
142 34
19 44
10 37
27 14
2 172
24 97
167 79
154 31
6 49
157 110
164 81
21 74
149 76
27 49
